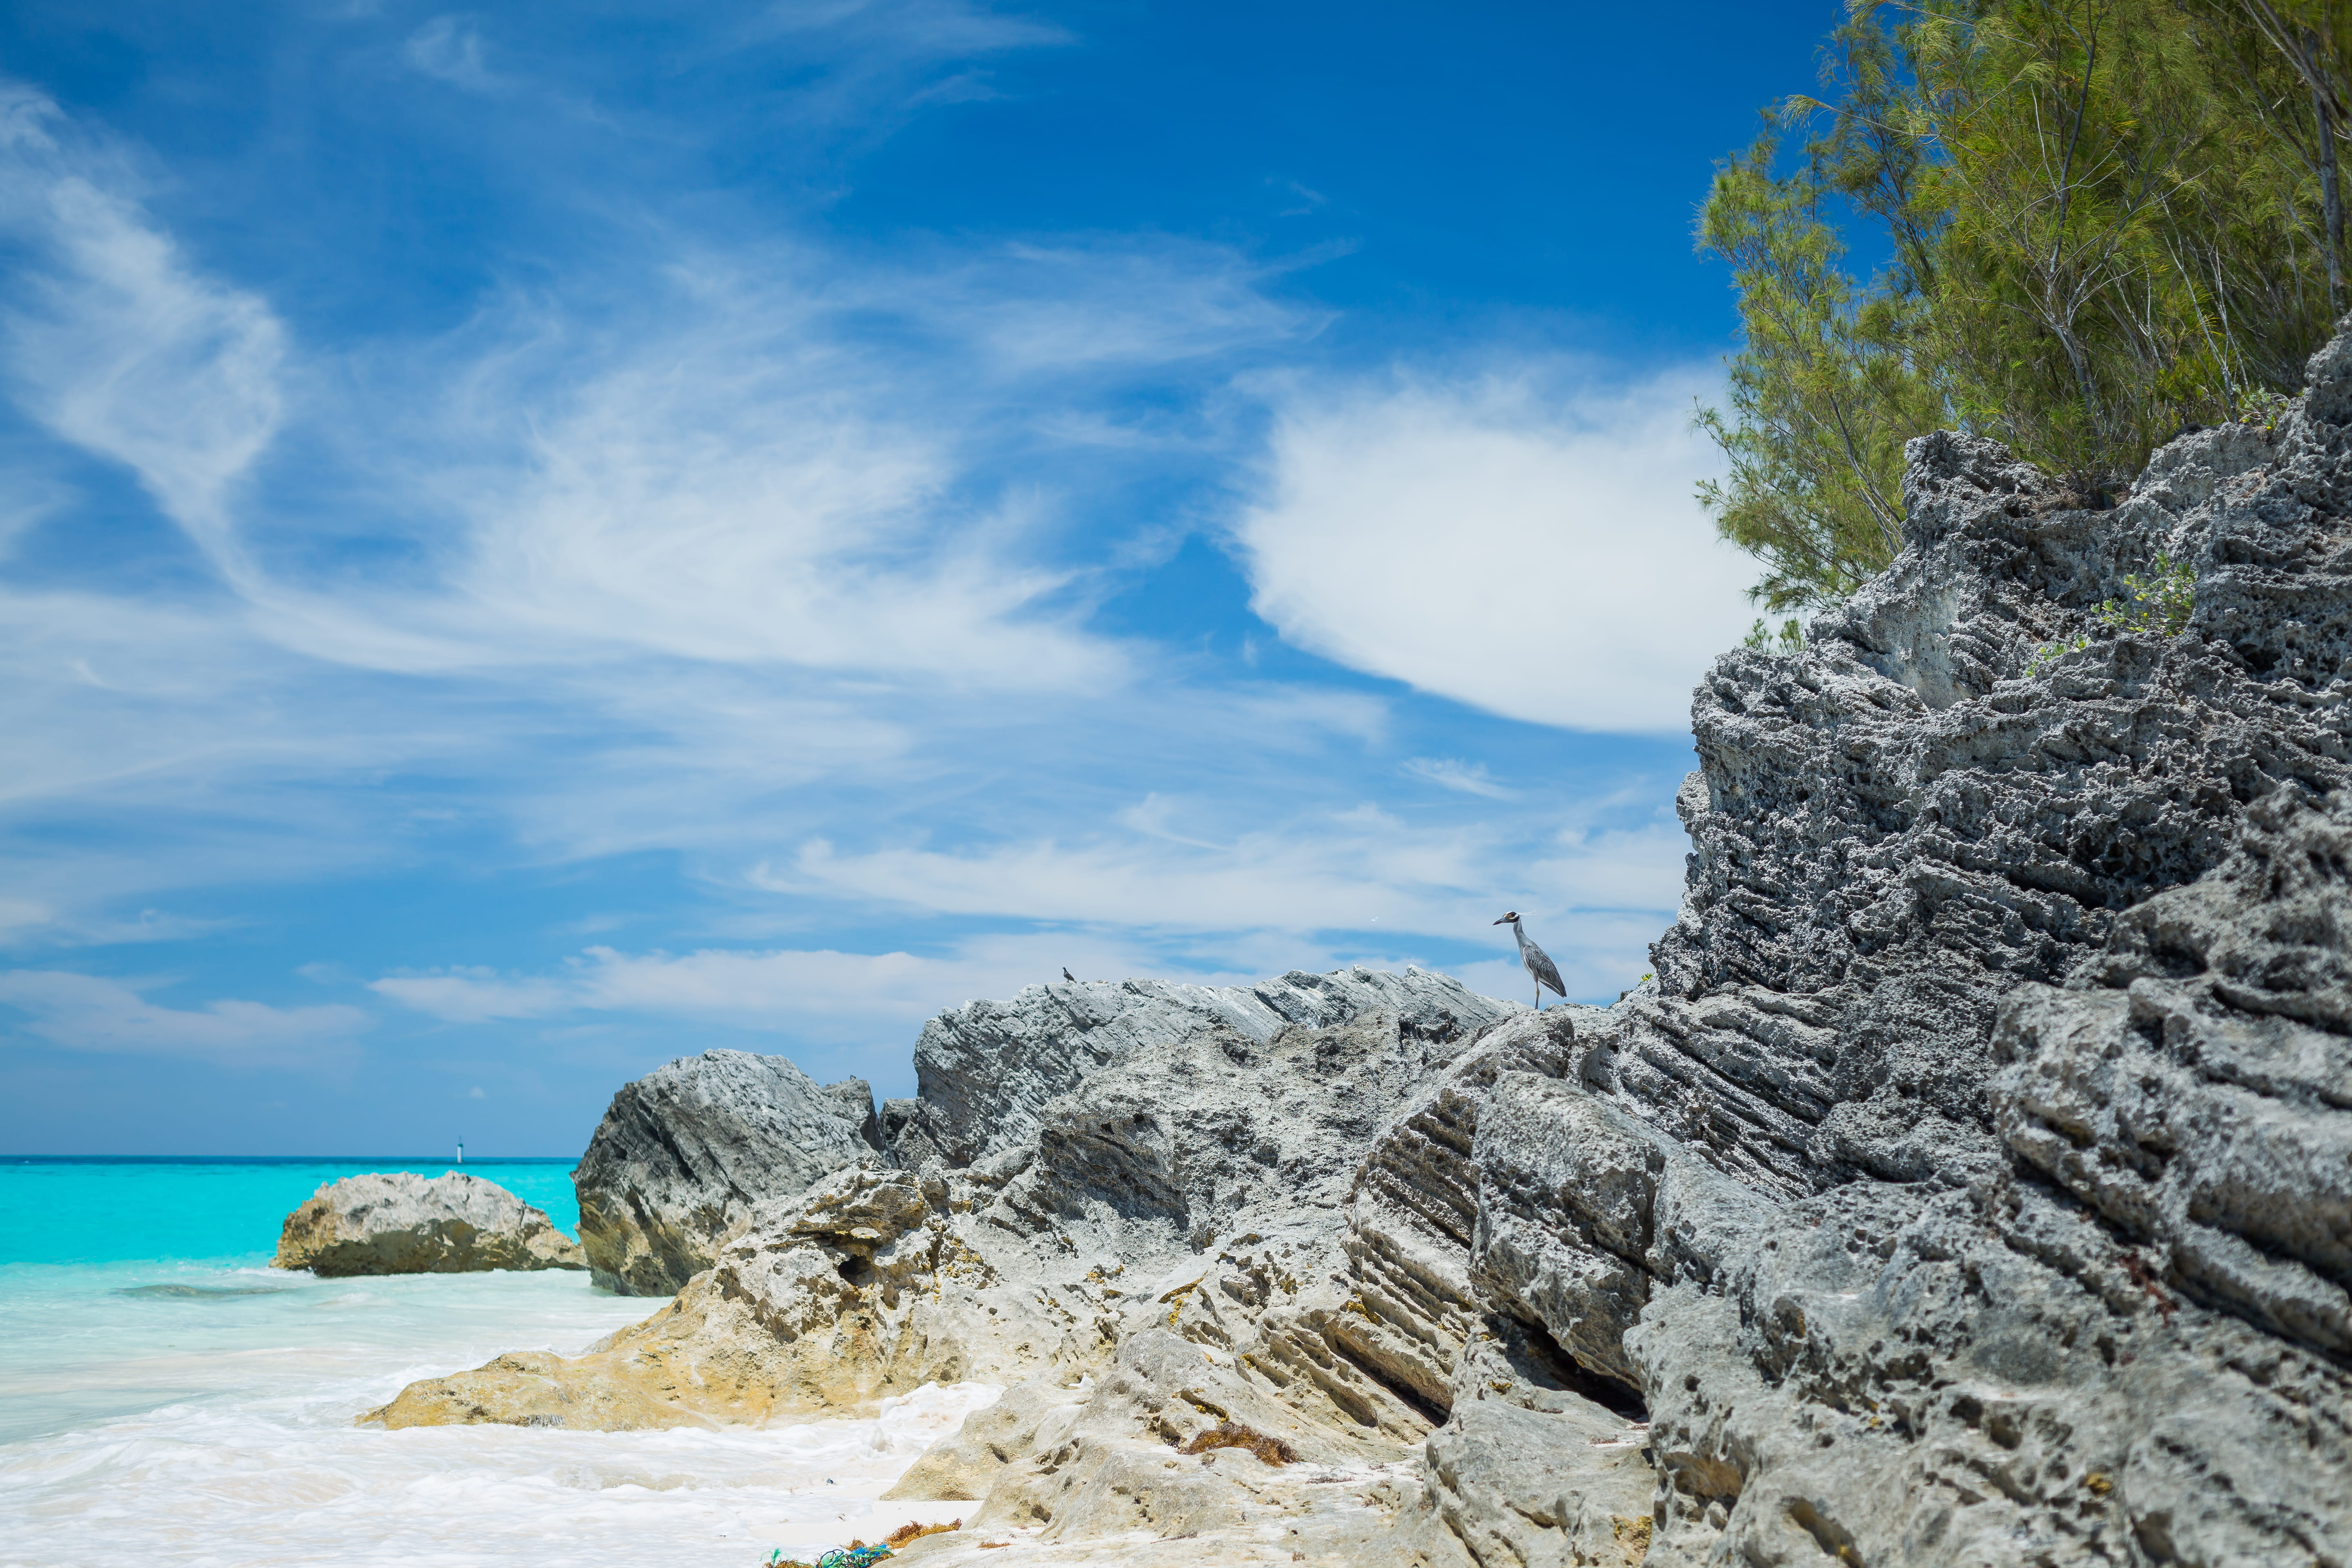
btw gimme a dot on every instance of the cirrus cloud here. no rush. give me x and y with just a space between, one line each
87 1012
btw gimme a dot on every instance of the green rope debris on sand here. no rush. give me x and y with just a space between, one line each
858 1555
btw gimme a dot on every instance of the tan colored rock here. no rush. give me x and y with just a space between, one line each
964 1464
1535 1489
1107 1480
833 1302
533 1388
401 1223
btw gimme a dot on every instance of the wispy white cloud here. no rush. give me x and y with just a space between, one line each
449 49
1111 301
31 922
115 341
474 994
818 994
1518 542
1304 877
1447 773
940 28
1309 200
858 68
757 509
1622 869
85 1012
1346 870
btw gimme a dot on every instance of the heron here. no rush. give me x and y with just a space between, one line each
1067 975
1538 962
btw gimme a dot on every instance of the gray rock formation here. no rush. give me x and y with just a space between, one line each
854 1098
685 1151
1972 1186
1039 1261
2049 1278
2191 1085
1898 826
985 1070
398 1221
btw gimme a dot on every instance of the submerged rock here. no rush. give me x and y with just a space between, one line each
685 1151
401 1223
1972 1185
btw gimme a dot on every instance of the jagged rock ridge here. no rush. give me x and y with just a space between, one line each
985 1072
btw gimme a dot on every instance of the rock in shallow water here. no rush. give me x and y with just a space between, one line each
402 1223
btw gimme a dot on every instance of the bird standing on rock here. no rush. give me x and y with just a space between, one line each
1537 962
1067 975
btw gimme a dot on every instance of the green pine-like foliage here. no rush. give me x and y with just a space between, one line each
2105 219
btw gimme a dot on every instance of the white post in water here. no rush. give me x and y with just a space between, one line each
461 1150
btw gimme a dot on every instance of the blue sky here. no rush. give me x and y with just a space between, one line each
541 539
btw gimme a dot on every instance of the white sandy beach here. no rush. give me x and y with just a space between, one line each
251 1461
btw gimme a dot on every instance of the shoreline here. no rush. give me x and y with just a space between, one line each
230 1434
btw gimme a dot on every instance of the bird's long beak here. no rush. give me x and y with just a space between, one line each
1501 921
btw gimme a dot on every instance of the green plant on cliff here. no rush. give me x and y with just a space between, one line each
2153 604
1789 637
2101 220
2160 602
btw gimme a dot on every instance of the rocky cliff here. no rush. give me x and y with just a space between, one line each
398 1221
1971 1186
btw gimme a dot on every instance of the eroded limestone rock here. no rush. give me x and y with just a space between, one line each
2194 1086
1919 1375
1541 1488
2069 1286
826 1303
533 1388
1041 1260
1898 826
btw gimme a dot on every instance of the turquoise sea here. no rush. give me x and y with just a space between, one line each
64 1210
167 1396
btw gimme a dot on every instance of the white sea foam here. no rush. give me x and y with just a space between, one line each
241 1451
